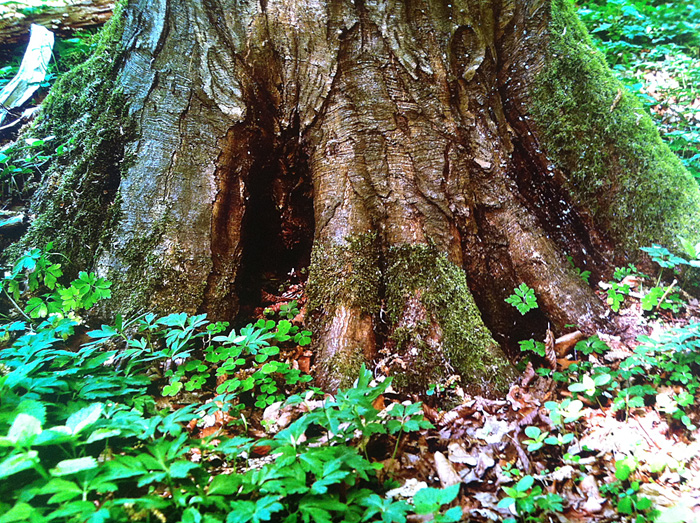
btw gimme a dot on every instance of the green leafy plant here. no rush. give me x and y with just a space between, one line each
568 411
584 275
627 498
591 345
289 310
616 295
536 438
22 164
653 48
536 347
528 500
523 299
591 386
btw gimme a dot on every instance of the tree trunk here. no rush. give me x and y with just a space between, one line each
424 157
62 20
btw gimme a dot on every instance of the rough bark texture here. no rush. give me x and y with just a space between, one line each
62 20
434 154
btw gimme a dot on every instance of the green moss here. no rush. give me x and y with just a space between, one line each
423 364
598 133
87 113
137 288
345 273
344 366
441 286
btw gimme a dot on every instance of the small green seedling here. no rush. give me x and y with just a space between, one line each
523 299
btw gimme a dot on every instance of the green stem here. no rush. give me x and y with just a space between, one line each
16 306
41 470
396 446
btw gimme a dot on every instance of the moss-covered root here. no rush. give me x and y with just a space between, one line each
86 111
598 132
438 330
344 300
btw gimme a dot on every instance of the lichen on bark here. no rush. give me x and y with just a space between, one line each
598 133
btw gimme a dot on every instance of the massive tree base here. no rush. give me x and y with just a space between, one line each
422 158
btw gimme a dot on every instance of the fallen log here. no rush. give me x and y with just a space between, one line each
63 20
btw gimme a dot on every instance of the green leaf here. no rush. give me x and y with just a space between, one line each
103 433
452 515
602 379
73 466
429 500
84 417
523 299
224 484
624 505
62 490
191 515
624 468
270 367
505 503
18 462
36 308
643 503
532 432
24 430
34 408
175 386
180 469
524 484
20 512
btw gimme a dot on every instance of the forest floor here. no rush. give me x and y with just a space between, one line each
596 429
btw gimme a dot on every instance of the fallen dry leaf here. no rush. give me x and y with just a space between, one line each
445 471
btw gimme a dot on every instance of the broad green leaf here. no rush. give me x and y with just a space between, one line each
34 408
505 503
452 515
624 506
84 417
524 484
241 512
224 484
18 462
62 490
429 500
73 466
180 469
20 512
36 308
24 430
624 468
191 515
103 433
532 432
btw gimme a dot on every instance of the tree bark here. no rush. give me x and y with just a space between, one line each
425 157
61 20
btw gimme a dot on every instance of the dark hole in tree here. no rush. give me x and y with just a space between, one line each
278 228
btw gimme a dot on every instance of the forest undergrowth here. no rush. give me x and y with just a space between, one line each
178 418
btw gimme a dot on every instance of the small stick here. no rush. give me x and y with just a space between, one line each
666 293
